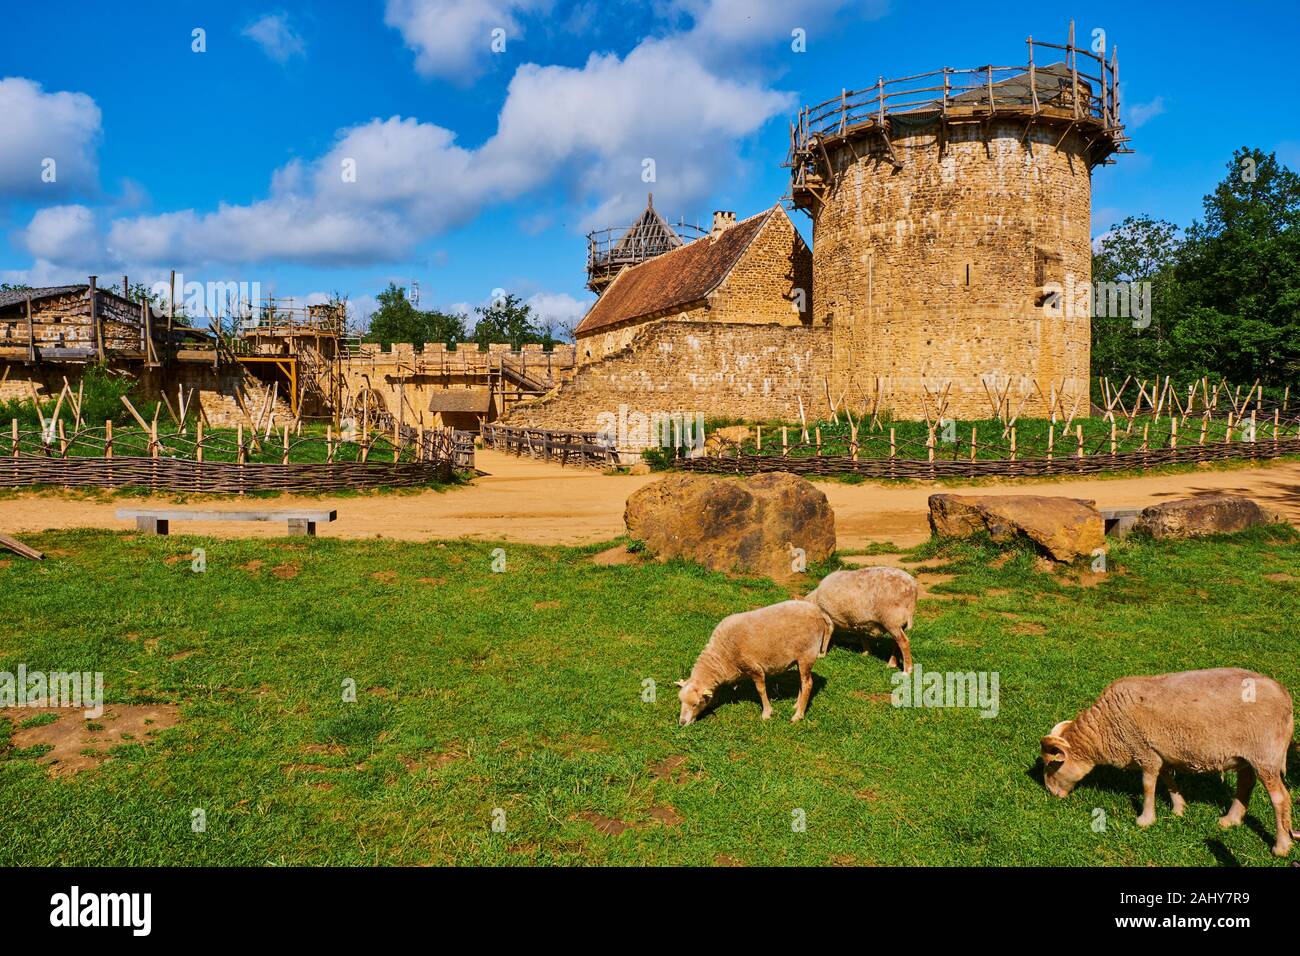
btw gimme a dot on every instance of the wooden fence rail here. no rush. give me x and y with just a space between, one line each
566 447
217 477
827 465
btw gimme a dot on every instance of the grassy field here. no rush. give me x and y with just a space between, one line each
953 440
517 697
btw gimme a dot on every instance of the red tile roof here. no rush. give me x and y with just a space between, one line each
673 280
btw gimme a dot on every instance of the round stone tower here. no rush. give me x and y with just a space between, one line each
951 233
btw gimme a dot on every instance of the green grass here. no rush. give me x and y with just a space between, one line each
522 691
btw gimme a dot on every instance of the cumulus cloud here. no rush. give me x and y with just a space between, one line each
66 233
558 311
276 36
40 126
1139 114
452 39
386 185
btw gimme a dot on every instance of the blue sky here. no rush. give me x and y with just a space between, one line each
478 170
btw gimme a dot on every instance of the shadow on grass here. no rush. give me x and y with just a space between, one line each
779 687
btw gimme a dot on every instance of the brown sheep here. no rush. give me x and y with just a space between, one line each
871 599
1199 721
753 644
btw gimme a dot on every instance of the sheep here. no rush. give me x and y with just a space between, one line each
754 644
1199 721
869 599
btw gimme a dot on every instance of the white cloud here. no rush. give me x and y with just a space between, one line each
558 310
277 38
62 233
1139 114
452 39
64 127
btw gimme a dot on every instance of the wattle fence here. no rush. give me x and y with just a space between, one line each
394 455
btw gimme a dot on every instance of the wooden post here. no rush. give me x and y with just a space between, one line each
972 445
758 437
785 441
1253 435
31 332
284 455
1078 432
1205 421
171 303
1173 431
198 440
1112 438
1051 439
95 324
1146 427
153 439
891 445
15 437
397 441
1013 442
818 431
108 438
329 443
63 441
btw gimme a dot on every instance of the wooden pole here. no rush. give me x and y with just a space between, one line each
198 440
108 438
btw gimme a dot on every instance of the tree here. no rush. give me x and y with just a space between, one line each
397 320
509 320
1226 296
1139 250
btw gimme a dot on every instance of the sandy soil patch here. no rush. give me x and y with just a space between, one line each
79 744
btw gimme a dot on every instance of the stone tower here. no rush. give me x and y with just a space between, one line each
951 232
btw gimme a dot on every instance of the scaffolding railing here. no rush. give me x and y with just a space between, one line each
1082 88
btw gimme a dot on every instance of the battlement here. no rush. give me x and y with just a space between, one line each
1079 93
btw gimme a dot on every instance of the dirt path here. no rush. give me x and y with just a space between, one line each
529 501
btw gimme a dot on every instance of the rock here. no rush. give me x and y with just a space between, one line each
1066 528
1208 514
640 468
726 438
729 524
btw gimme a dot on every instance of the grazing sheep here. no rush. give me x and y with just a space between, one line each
754 644
871 599
1200 721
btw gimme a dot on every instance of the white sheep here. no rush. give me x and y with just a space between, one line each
754 644
1198 721
863 600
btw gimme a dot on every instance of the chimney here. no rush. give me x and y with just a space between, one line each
722 221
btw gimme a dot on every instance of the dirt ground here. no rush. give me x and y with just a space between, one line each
540 503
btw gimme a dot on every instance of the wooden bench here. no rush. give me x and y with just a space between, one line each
1119 521
158 521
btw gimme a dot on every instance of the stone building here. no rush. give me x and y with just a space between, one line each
757 271
951 233
951 255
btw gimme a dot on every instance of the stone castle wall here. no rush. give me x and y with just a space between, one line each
934 273
721 370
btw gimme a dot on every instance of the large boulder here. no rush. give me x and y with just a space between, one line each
1208 514
748 525
1066 528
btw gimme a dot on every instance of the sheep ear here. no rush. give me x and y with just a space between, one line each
1054 749
706 695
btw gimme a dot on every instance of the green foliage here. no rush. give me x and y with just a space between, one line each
1226 296
101 401
397 320
509 320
